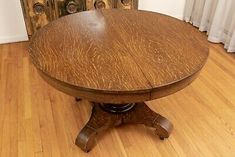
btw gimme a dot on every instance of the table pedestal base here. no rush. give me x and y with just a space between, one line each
105 116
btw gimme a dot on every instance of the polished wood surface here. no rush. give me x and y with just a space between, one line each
38 121
132 54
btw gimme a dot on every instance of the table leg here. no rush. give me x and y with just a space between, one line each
105 116
100 120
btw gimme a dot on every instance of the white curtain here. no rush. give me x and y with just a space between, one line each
217 17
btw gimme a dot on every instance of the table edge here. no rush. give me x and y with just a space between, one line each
118 97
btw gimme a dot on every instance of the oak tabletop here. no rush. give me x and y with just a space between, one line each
119 51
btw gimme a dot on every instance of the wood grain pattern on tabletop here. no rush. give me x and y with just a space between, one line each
128 53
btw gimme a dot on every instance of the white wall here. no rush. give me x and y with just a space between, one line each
12 26
173 8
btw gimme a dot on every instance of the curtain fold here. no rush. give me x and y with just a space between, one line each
217 17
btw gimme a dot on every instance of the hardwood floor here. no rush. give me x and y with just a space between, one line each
38 121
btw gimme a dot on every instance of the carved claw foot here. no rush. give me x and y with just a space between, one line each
86 138
142 114
163 127
99 121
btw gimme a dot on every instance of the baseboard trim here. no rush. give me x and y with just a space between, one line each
11 39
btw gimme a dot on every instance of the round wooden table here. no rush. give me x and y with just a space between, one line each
117 59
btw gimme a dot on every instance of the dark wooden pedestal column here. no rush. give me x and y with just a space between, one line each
104 116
